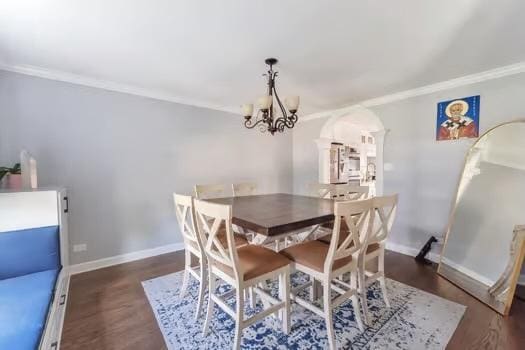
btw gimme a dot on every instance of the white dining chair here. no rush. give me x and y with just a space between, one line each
320 190
325 263
342 192
384 211
185 213
241 268
211 191
244 189
192 246
349 192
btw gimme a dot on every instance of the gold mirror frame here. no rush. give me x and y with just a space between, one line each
500 295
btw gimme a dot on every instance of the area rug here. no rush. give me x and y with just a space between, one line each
415 320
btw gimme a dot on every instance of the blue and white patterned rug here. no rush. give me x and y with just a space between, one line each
415 320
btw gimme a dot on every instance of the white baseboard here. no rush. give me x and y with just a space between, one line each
411 251
472 274
124 258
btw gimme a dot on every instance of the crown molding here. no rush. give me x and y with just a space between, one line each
164 96
110 86
428 89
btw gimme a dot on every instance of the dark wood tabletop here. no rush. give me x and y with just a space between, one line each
274 214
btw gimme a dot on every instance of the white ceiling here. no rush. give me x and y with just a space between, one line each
332 53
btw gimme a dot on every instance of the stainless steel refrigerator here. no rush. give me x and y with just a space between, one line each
344 164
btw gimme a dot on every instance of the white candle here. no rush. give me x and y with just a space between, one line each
247 109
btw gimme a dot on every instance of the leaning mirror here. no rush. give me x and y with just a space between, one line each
484 244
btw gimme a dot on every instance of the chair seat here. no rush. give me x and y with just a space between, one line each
256 261
313 254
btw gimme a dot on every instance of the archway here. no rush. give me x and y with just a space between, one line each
359 135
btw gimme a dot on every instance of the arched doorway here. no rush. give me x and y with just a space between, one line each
351 145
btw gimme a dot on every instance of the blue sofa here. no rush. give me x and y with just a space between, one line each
29 268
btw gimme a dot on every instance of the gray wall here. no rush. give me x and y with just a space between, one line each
122 156
306 154
425 172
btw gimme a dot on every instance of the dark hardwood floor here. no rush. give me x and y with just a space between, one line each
107 308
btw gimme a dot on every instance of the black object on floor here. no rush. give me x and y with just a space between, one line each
420 258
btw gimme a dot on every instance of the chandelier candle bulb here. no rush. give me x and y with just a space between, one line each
265 102
247 109
292 102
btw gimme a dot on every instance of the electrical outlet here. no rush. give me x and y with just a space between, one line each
79 248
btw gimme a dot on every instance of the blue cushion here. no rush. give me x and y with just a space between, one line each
27 251
24 303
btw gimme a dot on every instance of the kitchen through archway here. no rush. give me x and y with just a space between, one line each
350 148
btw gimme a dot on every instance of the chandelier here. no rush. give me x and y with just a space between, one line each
266 117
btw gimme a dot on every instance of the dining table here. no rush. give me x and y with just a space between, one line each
272 217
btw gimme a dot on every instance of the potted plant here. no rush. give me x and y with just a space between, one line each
11 177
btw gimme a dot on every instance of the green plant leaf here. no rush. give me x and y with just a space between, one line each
16 169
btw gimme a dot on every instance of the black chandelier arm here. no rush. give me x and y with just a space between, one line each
281 123
293 118
248 123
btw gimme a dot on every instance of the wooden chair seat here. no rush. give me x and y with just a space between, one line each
256 261
313 254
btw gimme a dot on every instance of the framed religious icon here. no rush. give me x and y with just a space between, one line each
458 119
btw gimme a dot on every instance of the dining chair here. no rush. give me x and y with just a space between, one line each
241 190
342 192
185 213
325 263
323 191
349 192
242 268
244 189
210 191
192 246
384 211
320 190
